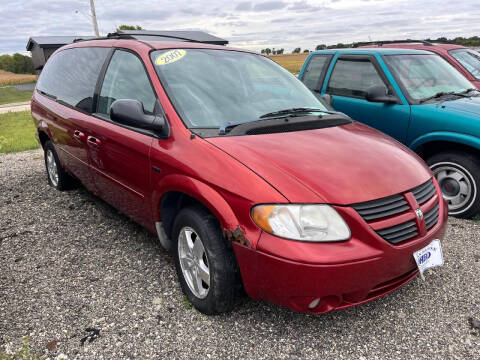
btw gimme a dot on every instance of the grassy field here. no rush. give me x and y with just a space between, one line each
17 132
291 62
8 78
10 95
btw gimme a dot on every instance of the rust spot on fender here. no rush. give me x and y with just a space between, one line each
237 236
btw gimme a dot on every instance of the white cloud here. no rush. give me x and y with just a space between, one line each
251 24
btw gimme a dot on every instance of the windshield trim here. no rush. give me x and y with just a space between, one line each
168 92
400 84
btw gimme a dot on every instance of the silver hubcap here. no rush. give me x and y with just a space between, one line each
194 262
457 185
52 168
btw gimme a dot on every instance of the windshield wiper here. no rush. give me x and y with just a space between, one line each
445 93
229 126
294 111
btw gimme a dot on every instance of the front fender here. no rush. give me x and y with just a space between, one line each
460 138
199 191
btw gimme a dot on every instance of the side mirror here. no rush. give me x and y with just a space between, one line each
130 112
325 99
378 93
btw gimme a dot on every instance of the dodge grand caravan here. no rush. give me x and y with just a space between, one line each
240 170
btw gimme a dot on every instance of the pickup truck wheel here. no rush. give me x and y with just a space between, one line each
57 176
205 263
458 175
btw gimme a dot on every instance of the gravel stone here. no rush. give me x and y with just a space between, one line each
80 278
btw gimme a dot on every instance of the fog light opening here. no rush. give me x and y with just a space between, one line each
314 303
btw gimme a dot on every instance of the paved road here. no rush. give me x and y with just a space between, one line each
14 107
69 262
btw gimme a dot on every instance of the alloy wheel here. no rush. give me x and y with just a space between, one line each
194 262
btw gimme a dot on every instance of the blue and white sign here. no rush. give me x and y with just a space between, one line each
428 257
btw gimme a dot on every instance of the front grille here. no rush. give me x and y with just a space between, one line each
431 217
398 233
424 192
381 208
392 206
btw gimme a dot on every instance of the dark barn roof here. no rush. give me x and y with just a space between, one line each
53 41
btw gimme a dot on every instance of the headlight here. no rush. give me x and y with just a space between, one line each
315 223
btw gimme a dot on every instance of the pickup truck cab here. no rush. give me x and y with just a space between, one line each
236 166
416 97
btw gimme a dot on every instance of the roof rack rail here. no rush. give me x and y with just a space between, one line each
386 42
176 35
145 35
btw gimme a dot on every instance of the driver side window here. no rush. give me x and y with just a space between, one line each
126 78
352 78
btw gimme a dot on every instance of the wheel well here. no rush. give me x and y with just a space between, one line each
43 138
435 147
172 202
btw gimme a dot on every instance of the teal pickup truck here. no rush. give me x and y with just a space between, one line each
416 97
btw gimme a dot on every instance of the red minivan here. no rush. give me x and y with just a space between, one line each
240 170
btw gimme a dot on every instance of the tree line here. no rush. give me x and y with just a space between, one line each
17 63
473 41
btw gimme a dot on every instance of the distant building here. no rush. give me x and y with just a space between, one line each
42 47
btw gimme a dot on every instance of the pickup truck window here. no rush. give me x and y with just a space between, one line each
314 71
126 78
469 59
423 76
352 78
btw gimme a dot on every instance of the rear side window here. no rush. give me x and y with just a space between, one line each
314 71
126 78
71 75
353 77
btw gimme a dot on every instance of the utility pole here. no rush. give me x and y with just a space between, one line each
94 18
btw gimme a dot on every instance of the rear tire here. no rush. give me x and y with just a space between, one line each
57 176
458 174
205 262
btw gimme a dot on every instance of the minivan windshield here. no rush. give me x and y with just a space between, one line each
469 59
213 88
424 76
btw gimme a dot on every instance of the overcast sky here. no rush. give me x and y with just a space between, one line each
252 24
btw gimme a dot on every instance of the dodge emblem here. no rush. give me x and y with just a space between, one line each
419 213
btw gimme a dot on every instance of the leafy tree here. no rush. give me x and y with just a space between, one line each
306 51
17 63
129 27
280 51
268 51
321 47
296 51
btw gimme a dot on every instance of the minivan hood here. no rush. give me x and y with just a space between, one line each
337 165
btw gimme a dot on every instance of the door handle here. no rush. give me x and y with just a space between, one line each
79 135
93 141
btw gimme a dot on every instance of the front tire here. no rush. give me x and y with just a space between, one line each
458 175
57 176
205 261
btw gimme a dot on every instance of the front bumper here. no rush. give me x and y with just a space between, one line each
293 274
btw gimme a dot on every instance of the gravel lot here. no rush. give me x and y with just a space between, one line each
70 262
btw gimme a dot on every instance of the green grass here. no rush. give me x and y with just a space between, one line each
187 303
17 132
10 95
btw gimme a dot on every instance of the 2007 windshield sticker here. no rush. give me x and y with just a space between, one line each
170 56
